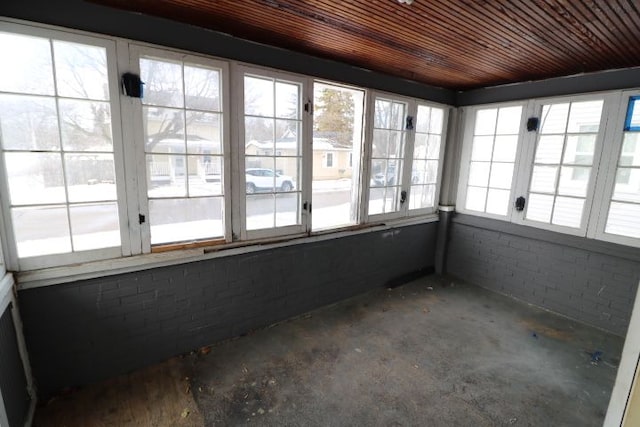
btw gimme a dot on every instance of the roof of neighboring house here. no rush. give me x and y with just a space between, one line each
292 144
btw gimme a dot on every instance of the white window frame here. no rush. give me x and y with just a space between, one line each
469 115
238 178
135 119
411 110
609 167
52 260
130 167
443 140
600 188
526 165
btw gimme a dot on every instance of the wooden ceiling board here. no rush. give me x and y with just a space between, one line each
455 44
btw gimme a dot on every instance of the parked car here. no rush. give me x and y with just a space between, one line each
380 179
262 179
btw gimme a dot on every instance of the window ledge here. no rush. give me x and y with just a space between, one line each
103 268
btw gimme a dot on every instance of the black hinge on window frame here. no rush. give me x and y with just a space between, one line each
141 218
308 107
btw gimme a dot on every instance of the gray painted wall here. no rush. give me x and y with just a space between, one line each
86 331
82 15
13 382
590 281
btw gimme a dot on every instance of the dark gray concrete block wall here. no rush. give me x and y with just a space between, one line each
86 331
592 282
13 382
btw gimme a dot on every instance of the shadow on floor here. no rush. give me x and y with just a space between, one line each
433 352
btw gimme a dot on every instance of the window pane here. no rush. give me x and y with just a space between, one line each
28 123
286 172
287 138
260 211
433 147
422 196
90 177
549 149
260 176
422 120
479 173
420 145
432 172
554 118
30 70
509 120
382 116
337 125
435 124
418 172
202 88
630 155
178 220
380 146
397 116
166 175
574 181
287 98
41 230
501 175
623 219
486 122
204 133
498 201
205 175
85 125
392 199
627 187
164 130
544 179
539 207
259 136
35 178
396 144
585 116
287 209
505 148
580 149
476 198
162 83
568 212
95 226
482 148
376 200
258 97
81 70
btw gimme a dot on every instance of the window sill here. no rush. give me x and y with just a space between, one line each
110 267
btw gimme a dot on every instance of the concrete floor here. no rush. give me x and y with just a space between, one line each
434 352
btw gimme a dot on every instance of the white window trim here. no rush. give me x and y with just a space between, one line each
609 167
135 122
604 167
526 168
132 199
411 110
443 140
238 156
469 115
29 263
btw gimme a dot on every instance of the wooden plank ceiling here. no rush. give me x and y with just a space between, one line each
456 44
